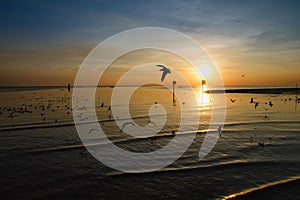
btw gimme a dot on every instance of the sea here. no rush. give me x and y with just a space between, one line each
257 155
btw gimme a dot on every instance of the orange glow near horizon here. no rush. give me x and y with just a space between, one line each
31 74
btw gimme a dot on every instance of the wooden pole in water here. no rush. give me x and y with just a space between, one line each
296 101
174 82
202 85
202 91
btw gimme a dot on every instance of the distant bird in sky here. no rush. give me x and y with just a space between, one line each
232 100
165 72
252 100
125 124
243 75
69 87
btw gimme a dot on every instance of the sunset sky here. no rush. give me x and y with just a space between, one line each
44 42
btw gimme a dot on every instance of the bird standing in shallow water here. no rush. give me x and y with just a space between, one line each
165 72
220 130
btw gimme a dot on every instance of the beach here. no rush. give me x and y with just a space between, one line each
42 156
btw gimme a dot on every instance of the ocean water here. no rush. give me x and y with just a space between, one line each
42 156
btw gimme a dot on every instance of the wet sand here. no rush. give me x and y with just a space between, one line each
274 190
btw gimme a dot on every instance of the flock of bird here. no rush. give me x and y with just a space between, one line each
63 104
41 107
269 104
256 103
44 107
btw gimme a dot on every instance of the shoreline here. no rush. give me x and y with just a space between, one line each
269 190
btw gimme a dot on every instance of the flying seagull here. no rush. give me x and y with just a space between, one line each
91 130
165 72
125 124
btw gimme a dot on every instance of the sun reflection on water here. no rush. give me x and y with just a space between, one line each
204 99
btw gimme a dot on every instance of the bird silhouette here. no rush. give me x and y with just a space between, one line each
125 124
232 100
165 72
91 130
261 144
271 104
256 104
220 130
243 75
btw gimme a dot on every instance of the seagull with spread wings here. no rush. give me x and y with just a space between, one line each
165 72
125 124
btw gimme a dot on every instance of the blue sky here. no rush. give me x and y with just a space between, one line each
241 36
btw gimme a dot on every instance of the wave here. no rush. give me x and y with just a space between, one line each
263 122
192 168
38 125
164 134
244 193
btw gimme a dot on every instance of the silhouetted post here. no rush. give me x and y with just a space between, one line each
174 82
202 85
202 90
69 87
296 96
